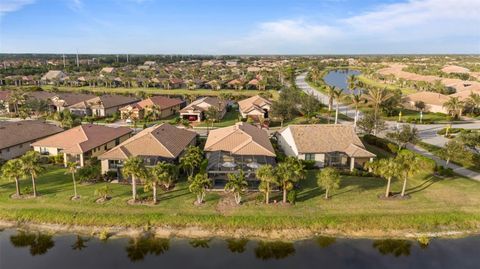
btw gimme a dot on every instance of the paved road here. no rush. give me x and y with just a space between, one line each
427 133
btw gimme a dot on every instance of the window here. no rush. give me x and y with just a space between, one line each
117 141
309 156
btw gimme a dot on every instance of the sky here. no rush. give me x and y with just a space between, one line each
240 26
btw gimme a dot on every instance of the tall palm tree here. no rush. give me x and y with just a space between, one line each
474 100
288 173
352 82
166 173
408 164
31 165
337 94
331 96
266 175
237 184
199 185
13 170
377 96
386 168
454 106
72 169
135 168
356 100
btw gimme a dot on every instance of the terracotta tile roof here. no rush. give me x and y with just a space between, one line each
106 101
431 98
241 139
254 102
162 140
322 138
66 99
83 138
160 101
203 104
14 133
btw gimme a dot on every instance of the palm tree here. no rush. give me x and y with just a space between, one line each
166 173
13 170
72 169
474 100
288 173
192 159
377 96
16 98
151 183
352 82
266 175
408 164
199 185
337 94
237 184
356 100
31 165
135 168
386 168
331 96
329 179
454 107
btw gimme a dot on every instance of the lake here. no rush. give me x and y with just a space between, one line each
338 78
32 250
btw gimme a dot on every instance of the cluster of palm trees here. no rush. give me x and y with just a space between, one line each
456 107
27 165
403 166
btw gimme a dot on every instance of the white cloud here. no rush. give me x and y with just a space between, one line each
7 6
414 22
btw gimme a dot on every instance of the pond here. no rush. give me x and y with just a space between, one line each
339 78
34 250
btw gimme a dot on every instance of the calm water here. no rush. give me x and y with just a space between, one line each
32 250
338 78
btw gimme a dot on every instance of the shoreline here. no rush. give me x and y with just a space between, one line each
196 232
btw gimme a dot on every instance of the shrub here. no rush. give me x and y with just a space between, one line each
380 143
292 196
444 171
309 165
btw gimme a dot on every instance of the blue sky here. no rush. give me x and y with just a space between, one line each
240 27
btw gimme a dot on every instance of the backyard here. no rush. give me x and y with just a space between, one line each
436 204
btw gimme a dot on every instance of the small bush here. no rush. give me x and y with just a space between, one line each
309 165
292 196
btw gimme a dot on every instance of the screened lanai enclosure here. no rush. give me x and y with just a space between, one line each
221 163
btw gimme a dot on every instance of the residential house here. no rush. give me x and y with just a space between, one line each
433 101
166 107
162 142
101 106
53 76
82 142
238 147
255 107
195 111
63 100
16 137
334 145
107 70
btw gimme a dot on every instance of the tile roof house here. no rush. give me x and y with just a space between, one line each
254 107
326 144
433 101
53 75
241 146
82 142
195 111
166 107
162 142
62 100
101 106
16 137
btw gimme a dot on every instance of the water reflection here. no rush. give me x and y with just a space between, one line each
325 241
138 248
274 250
237 245
38 243
200 243
80 243
396 247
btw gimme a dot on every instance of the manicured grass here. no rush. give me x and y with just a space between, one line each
230 118
135 90
377 84
435 150
436 205
414 116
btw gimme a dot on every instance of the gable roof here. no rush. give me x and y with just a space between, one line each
162 140
66 99
53 74
14 133
254 102
105 101
322 138
204 103
430 98
241 139
83 138
160 101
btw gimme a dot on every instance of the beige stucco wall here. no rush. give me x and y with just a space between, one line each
52 151
428 107
319 159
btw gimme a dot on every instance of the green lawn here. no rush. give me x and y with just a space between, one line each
436 205
134 90
473 165
230 118
374 83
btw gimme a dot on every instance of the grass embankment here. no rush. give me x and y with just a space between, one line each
436 205
135 90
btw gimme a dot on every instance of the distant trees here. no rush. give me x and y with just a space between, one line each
376 96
